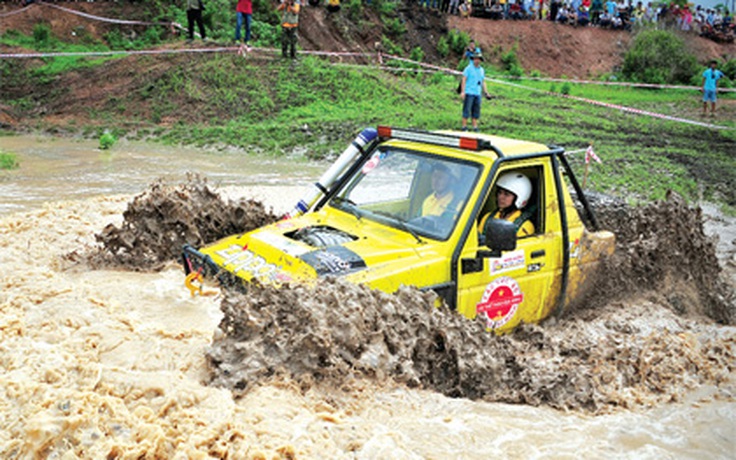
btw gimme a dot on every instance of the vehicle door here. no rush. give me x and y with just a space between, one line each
522 284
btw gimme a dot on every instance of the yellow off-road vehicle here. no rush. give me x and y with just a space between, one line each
369 220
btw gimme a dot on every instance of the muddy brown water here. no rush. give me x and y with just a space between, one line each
110 362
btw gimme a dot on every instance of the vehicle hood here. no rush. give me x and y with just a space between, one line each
271 254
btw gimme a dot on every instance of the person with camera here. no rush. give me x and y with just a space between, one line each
289 24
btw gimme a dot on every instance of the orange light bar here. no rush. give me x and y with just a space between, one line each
468 143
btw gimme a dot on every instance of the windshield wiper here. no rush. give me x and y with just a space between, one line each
401 224
348 205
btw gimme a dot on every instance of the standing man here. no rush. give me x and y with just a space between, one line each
710 87
243 11
194 14
473 82
289 24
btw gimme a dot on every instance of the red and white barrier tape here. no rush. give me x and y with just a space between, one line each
615 83
618 107
5 15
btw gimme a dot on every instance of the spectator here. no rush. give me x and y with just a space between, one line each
583 18
464 9
333 6
610 8
605 20
710 87
650 13
562 16
471 50
473 85
505 6
687 19
289 25
515 11
617 23
596 8
554 9
194 14
243 12
496 11
454 6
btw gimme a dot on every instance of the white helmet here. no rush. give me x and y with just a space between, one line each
519 185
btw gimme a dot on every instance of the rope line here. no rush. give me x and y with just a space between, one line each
103 19
5 15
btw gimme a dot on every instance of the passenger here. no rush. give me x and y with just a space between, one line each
442 195
513 191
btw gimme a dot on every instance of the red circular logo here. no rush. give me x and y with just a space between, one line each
500 301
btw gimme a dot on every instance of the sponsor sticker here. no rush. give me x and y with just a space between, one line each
243 260
575 248
509 261
500 301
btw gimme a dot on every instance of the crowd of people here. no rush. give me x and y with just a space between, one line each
621 14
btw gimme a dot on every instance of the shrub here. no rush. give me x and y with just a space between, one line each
8 160
566 88
394 27
510 60
107 140
355 10
416 54
265 34
458 41
729 69
390 47
659 56
443 47
42 35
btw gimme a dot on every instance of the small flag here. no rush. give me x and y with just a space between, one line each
589 153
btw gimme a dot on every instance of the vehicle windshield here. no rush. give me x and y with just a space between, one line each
415 192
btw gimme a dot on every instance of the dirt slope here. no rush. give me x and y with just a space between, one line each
558 50
553 49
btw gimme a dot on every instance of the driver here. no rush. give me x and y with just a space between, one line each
513 190
442 196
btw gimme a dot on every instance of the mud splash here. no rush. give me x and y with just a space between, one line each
618 350
663 253
621 356
160 221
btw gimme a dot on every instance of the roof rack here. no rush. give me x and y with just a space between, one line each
446 140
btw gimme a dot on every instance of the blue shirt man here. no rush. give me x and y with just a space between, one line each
472 86
710 87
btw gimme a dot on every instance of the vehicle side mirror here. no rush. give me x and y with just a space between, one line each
499 235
